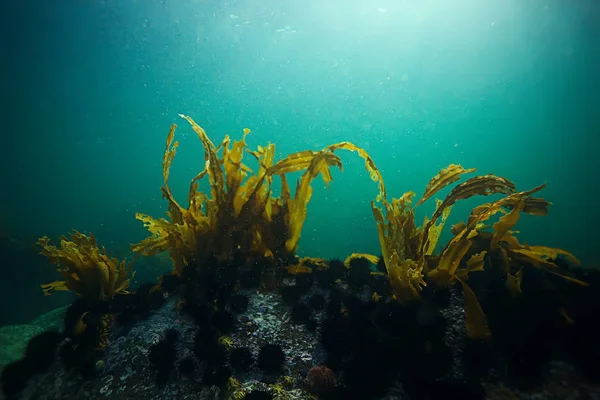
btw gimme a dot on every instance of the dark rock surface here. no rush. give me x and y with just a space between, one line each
126 372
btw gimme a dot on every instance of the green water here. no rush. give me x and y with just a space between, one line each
90 89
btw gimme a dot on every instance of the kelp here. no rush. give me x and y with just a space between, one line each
483 185
513 255
408 249
448 270
240 215
458 247
370 166
399 240
306 265
233 217
445 177
541 257
87 269
475 319
297 207
503 238
354 256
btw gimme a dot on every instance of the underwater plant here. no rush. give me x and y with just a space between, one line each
237 237
240 216
406 247
87 269
408 250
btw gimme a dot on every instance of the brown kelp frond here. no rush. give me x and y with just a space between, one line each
445 177
475 319
369 257
190 232
87 270
213 163
320 164
449 271
449 261
313 163
401 225
293 163
400 243
432 232
179 239
538 256
483 185
532 205
513 200
306 265
369 165
541 257
170 150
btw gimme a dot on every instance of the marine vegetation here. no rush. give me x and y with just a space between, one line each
240 217
87 269
408 250
377 326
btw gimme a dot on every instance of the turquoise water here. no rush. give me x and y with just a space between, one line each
92 87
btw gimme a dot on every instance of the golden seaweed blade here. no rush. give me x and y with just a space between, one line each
297 207
178 239
306 265
407 249
431 236
483 185
370 166
539 256
357 256
449 271
87 269
475 319
532 205
395 232
445 177
542 257
520 200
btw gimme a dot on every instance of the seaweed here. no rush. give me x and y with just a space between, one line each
451 266
240 214
445 177
240 226
407 249
87 269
